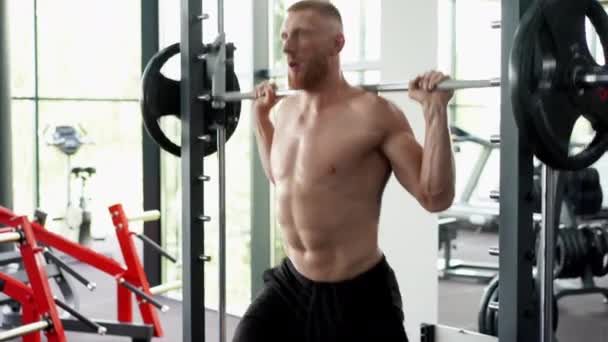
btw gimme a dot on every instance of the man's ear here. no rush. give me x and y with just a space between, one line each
339 42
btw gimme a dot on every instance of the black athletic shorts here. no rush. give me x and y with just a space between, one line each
292 308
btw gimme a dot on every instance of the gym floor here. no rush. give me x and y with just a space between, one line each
582 318
101 304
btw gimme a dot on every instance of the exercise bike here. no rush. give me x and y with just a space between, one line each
68 140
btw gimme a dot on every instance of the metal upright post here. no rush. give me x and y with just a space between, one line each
193 215
517 314
150 150
219 84
6 160
221 156
261 246
545 257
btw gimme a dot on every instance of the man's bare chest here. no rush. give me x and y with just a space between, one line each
322 148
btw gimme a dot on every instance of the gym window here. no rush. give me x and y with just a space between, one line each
78 71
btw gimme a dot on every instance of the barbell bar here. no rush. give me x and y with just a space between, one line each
584 79
233 96
591 79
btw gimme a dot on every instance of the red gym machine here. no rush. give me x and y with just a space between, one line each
130 278
37 302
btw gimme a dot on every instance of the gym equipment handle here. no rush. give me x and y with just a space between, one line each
378 88
101 330
162 288
155 246
91 286
139 292
146 216
24 330
10 237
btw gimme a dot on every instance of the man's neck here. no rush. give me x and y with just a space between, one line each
326 92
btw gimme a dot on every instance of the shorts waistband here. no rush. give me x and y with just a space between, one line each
377 272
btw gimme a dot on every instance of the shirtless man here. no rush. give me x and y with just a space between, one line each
329 154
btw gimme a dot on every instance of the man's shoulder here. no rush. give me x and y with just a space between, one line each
371 103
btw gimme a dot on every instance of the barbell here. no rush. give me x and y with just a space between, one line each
233 96
161 97
553 79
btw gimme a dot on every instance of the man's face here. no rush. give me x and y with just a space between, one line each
307 44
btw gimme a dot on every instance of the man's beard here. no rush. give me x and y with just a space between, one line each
311 76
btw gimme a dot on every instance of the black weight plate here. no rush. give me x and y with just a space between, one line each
583 248
575 256
578 264
492 314
570 253
482 323
594 99
562 43
604 234
161 97
543 106
559 255
600 251
494 317
563 246
591 249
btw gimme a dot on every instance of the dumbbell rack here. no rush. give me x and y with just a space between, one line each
588 286
591 255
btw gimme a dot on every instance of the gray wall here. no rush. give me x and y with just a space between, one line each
408 234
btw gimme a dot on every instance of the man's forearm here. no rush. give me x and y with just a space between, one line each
264 132
437 171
